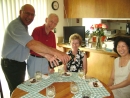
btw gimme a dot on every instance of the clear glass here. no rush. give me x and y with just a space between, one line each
81 73
38 76
74 87
60 72
50 91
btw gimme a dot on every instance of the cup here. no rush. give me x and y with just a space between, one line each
74 87
50 91
86 94
38 76
104 46
60 70
81 73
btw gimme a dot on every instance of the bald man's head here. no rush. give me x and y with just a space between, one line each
27 14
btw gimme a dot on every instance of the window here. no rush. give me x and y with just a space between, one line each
9 10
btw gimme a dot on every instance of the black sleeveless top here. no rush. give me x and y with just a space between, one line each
74 66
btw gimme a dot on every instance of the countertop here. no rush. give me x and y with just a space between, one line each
86 49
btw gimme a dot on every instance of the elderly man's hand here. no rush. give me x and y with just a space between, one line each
52 59
62 57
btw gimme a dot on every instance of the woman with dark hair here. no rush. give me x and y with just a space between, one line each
119 81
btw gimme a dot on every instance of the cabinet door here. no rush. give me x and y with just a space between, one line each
97 8
100 66
78 8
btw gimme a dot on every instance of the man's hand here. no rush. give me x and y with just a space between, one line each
62 56
52 59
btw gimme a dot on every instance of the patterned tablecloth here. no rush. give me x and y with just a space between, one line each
34 89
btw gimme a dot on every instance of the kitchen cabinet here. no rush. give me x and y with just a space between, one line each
96 8
99 62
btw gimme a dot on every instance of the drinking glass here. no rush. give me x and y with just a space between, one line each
81 73
50 91
60 72
38 76
74 87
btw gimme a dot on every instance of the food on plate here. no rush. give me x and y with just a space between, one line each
66 74
95 84
33 81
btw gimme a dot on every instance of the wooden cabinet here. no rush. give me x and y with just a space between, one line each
100 63
97 8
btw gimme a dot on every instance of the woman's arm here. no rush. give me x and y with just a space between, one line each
111 80
122 84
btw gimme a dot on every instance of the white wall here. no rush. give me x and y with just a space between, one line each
60 13
88 22
73 21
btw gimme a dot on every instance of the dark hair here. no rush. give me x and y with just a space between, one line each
123 39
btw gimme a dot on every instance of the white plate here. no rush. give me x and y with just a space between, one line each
98 83
45 76
68 74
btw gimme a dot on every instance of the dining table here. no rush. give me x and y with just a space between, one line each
62 87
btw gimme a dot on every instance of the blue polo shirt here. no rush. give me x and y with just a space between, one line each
15 39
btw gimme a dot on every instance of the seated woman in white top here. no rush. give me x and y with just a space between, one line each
120 78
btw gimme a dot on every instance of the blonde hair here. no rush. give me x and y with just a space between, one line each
75 36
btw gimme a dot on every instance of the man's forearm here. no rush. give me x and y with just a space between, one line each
42 49
39 48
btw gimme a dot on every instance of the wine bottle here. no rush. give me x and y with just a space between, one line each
60 62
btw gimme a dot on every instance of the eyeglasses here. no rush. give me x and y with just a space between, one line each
28 14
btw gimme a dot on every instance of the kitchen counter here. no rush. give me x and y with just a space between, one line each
86 49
